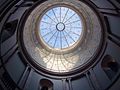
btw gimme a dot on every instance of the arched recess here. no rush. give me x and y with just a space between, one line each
110 66
45 84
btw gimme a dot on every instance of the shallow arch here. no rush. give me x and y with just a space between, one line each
110 66
45 84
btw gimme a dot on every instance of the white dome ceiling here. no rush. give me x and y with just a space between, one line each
64 54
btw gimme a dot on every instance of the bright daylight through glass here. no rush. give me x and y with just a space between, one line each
60 27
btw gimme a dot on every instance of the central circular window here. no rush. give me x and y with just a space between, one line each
60 28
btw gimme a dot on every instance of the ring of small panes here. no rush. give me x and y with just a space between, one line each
60 28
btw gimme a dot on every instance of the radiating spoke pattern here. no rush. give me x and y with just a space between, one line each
60 27
62 37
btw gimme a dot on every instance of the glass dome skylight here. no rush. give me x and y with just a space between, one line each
60 27
62 36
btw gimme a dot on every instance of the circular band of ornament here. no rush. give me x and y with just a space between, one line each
78 34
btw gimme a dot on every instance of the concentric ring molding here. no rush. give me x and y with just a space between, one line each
70 60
